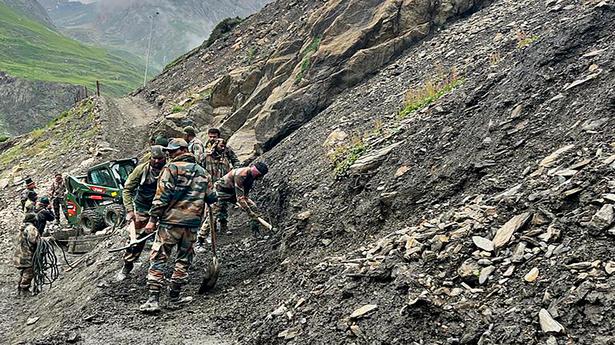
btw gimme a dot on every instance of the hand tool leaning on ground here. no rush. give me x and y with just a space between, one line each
211 275
261 220
133 238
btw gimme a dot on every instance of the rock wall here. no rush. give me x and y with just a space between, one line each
26 105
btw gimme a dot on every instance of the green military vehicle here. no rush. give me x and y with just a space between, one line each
94 201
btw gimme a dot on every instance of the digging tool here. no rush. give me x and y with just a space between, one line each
211 275
261 220
131 243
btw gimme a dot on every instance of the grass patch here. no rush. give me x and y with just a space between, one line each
344 156
177 109
524 40
429 92
306 62
31 50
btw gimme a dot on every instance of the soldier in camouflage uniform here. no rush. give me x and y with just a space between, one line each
26 245
26 194
137 195
195 145
177 211
57 191
213 135
235 186
217 165
29 205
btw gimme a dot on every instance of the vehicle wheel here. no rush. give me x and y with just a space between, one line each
91 221
115 215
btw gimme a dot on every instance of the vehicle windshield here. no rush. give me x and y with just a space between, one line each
102 177
122 170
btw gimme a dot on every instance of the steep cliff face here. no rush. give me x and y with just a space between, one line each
26 105
305 63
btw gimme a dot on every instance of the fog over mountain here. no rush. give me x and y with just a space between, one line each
179 26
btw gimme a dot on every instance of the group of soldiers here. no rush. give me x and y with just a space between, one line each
38 212
170 193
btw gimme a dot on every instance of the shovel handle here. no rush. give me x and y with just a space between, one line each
264 223
212 229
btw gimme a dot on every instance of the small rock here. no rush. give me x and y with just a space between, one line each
402 170
485 273
303 215
32 320
509 272
551 159
504 234
483 243
335 137
548 324
326 241
356 330
518 253
532 275
551 340
609 267
603 218
363 311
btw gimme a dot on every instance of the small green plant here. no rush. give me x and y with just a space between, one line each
251 54
177 109
523 40
4 138
344 156
429 92
307 54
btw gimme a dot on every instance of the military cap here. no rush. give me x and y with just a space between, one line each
176 144
161 140
158 152
190 130
44 200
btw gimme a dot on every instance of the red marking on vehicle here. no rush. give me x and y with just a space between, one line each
98 189
96 197
71 209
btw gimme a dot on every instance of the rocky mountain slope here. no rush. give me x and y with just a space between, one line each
43 71
441 173
179 26
30 8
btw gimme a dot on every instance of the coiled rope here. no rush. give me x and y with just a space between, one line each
44 265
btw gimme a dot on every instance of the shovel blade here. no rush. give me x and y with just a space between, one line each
211 277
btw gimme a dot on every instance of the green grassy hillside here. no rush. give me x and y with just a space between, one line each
33 51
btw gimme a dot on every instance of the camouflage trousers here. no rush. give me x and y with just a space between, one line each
220 211
25 277
57 202
132 253
167 238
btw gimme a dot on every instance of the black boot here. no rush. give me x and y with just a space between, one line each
153 303
125 271
175 299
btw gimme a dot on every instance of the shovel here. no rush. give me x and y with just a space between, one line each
211 275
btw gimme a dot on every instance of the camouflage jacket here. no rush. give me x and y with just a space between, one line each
26 244
217 166
229 154
140 188
196 147
57 190
183 188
